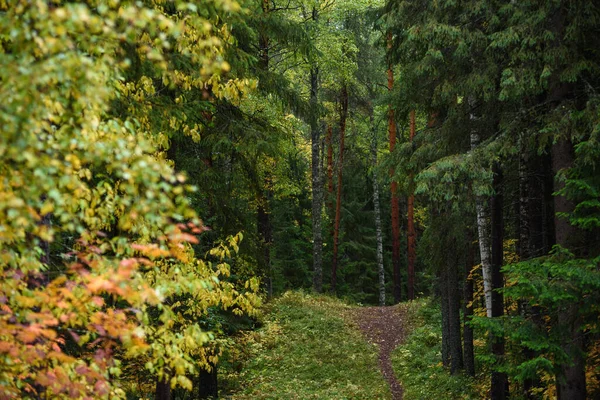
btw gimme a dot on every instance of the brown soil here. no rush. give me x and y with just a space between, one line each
383 326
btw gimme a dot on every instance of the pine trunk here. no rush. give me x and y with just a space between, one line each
499 389
377 211
338 197
411 225
394 189
329 144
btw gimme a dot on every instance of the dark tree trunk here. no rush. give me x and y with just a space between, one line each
163 390
265 237
329 169
317 189
499 388
454 338
411 234
208 384
469 357
443 285
394 189
571 383
338 203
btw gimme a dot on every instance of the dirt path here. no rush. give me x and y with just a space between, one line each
383 326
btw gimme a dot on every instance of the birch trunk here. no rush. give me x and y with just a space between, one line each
483 231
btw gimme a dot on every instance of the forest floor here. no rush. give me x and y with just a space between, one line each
384 327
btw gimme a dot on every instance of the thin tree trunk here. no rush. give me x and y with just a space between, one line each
499 389
394 188
265 236
412 255
468 307
571 382
377 210
329 168
338 203
317 190
456 354
443 284
484 241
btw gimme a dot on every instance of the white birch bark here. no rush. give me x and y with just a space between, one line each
483 230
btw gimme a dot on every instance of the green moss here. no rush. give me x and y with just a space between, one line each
417 362
306 350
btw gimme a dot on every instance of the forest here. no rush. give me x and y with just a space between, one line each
300 199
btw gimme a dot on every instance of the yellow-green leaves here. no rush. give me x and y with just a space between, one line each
94 225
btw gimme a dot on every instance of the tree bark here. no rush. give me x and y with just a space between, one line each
469 357
484 241
317 190
329 144
411 235
571 382
377 211
454 338
443 284
338 203
163 389
208 383
499 388
394 187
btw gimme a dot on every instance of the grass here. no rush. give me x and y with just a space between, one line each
305 350
417 363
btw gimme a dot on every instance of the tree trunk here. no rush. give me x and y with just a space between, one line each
454 338
394 188
338 203
317 189
329 169
499 388
443 284
484 241
411 224
265 237
571 382
163 389
377 211
208 383
468 307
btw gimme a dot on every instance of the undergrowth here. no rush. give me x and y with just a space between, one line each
417 363
305 350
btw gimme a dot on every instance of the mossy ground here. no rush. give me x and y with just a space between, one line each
308 348
417 362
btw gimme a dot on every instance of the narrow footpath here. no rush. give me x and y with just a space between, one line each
383 326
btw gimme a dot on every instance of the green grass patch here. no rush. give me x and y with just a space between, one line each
306 349
418 362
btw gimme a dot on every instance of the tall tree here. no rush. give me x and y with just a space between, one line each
394 185
338 202
411 234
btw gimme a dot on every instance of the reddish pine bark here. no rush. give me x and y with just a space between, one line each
411 226
338 204
394 188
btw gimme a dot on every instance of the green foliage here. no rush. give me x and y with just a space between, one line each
417 361
307 349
